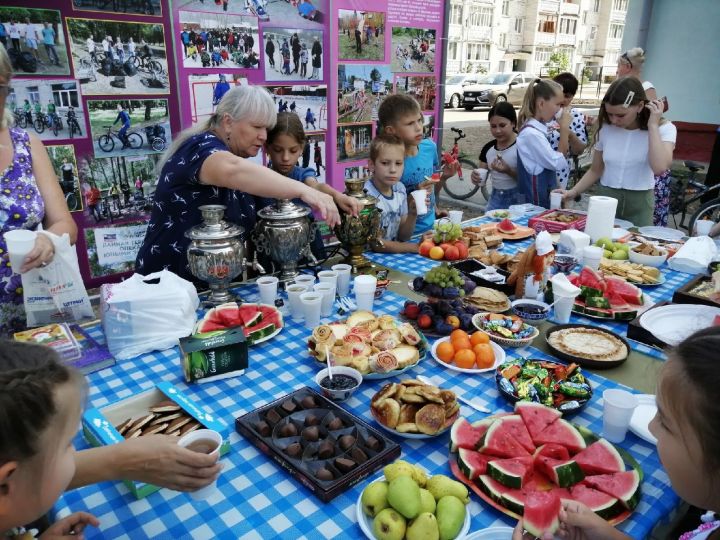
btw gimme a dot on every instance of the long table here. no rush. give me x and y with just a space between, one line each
258 499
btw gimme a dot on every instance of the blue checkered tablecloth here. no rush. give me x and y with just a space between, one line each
258 499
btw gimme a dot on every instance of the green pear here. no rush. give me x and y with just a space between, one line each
389 525
427 501
423 527
450 516
419 476
404 496
374 498
399 468
606 243
441 485
620 255
607 253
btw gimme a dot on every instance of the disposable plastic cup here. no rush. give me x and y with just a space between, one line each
343 278
420 196
328 300
555 200
294 290
311 304
305 279
703 227
328 276
455 216
19 243
208 442
592 256
618 407
364 287
268 286
483 173
563 308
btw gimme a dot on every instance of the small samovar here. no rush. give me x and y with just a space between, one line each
284 232
357 233
216 253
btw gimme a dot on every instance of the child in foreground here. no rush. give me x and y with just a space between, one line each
687 428
398 216
41 402
400 115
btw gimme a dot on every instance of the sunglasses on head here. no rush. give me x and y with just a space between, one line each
626 59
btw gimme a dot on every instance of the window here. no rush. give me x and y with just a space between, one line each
620 5
593 32
502 40
616 30
546 23
519 25
65 95
580 47
453 50
506 7
478 51
33 94
455 14
585 16
568 26
596 7
542 54
481 17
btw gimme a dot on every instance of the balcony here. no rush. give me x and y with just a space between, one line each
567 8
479 33
455 31
565 39
613 43
549 6
544 38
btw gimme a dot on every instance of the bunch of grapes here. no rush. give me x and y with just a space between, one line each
445 276
445 231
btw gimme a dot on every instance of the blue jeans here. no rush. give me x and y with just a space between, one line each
504 198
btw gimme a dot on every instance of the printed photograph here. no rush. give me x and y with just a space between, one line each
132 7
62 157
308 102
34 40
361 90
118 188
359 171
428 126
294 12
129 127
112 249
293 54
413 50
111 57
52 108
353 142
422 88
361 35
206 91
217 40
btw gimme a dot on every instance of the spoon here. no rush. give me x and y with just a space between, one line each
329 363
461 399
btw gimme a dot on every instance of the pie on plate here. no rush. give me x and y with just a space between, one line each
588 343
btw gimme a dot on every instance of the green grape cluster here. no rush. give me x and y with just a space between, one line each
445 231
444 276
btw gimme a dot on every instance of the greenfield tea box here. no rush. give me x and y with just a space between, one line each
214 355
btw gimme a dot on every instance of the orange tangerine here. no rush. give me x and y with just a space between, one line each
479 337
465 359
445 351
436 253
484 355
461 343
458 333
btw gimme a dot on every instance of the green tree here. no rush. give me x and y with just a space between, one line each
557 63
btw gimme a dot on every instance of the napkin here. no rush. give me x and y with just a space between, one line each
695 256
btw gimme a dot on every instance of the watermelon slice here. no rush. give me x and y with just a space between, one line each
601 457
625 486
473 463
542 513
601 503
466 435
231 314
511 498
259 331
512 472
627 291
499 441
250 314
561 432
592 280
271 314
563 473
515 425
536 416
210 323
554 451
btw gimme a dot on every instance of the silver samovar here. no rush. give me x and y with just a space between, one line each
357 233
284 232
216 253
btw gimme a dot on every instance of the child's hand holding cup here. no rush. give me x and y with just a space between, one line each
420 196
479 176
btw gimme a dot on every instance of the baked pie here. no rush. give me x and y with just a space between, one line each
589 343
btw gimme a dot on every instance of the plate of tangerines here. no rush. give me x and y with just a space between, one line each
468 353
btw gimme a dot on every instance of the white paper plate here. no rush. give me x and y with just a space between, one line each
410 435
366 523
673 323
643 414
624 224
492 533
492 214
618 233
662 233
499 358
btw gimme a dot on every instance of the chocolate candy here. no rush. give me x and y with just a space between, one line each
346 441
324 474
311 433
312 420
372 443
273 417
358 455
287 430
294 450
289 406
308 402
335 423
344 465
326 449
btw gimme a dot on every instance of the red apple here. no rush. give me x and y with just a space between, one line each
425 248
424 321
452 253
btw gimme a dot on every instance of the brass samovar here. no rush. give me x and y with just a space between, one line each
357 234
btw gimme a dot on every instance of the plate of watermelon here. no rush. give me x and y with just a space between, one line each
607 297
259 322
524 463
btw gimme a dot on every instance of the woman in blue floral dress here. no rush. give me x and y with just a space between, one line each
30 195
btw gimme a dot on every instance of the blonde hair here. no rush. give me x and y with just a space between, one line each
6 118
635 57
538 89
248 102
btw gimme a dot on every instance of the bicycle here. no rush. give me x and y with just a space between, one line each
71 198
20 119
73 125
57 124
459 186
686 192
146 63
107 143
40 122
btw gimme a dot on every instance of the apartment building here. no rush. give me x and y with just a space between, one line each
520 35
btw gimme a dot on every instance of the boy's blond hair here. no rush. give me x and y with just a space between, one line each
382 141
395 107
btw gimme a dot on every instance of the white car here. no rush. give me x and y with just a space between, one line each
496 87
454 86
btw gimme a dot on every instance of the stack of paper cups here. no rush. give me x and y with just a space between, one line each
600 217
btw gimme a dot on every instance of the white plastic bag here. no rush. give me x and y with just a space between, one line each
695 256
147 313
56 293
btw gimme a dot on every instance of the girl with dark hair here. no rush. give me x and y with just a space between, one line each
499 157
577 135
633 143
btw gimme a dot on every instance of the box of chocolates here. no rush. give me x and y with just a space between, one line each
322 445
164 410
